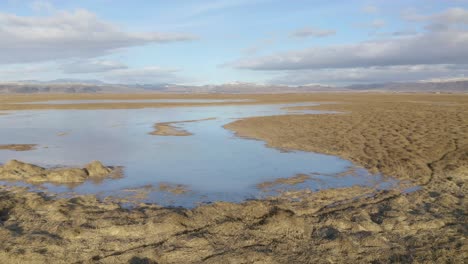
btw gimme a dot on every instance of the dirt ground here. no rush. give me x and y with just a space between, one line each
422 138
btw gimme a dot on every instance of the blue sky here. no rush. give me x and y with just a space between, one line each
205 42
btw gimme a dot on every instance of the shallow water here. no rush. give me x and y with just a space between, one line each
213 163
106 101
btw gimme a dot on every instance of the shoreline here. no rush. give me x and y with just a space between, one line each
170 128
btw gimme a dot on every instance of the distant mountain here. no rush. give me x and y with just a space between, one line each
430 86
96 86
27 88
64 81
238 87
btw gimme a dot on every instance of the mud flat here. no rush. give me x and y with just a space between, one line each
422 142
382 133
18 147
213 163
171 129
15 170
284 181
336 225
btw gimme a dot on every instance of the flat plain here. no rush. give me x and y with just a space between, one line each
419 138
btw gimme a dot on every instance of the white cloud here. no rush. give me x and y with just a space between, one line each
108 71
373 25
404 33
14 72
371 74
42 6
64 35
455 15
439 52
370 9
378 23
150 74
447 47
92 66
450 19
312 32
259 46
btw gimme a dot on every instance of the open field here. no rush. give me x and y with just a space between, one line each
421 138
10 102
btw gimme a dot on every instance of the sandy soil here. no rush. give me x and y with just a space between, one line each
418 137
18 147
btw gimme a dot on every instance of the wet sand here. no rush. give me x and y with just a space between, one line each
412 137
171 129
284 181
18 147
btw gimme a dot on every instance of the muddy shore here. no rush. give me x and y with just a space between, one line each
18 147
413 137
15 170
171 129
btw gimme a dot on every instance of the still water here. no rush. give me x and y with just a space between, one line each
213 163
106 101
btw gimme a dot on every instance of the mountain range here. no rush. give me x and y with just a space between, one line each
96 86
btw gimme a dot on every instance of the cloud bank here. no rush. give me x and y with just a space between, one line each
312 32
65 35
439 50
432 48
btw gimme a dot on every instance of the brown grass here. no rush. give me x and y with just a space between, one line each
398 135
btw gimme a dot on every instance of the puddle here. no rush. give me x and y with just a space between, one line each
199 101
212 164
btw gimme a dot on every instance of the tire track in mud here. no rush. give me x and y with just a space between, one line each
155 245
261 220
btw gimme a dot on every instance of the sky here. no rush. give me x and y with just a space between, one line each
198 42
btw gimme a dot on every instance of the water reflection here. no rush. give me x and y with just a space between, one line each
213 163
107 101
